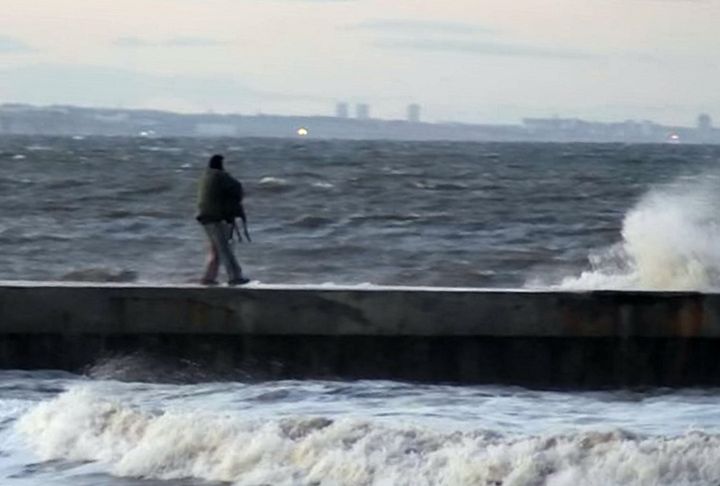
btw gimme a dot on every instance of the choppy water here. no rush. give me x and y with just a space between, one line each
572 215
462 214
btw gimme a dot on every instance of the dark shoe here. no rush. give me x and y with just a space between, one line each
208 282
238 281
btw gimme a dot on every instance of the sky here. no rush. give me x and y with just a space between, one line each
476 61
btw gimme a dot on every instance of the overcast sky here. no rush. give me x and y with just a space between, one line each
462 60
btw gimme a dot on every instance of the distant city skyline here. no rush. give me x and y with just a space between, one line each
364 111
460 60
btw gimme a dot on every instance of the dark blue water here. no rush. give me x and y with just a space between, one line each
451 214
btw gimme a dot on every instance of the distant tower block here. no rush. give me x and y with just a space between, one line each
362 111
413 113
341 110
704 122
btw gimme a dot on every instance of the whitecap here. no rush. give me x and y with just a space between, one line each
323 185
669 242
273 181
83 425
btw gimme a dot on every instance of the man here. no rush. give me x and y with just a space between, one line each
219 203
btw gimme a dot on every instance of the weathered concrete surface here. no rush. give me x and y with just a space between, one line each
468 335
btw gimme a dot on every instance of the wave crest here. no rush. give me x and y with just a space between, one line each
670 241
81 425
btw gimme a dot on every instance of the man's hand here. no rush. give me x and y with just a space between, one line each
245 230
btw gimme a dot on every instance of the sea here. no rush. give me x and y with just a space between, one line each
357 213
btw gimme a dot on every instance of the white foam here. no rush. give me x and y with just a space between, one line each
273 181
81 425
323 185
670 241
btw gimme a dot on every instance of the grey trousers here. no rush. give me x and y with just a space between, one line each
219 235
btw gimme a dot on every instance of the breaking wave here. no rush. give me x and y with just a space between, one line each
127 441
670 241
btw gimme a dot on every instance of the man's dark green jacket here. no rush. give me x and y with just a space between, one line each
219 197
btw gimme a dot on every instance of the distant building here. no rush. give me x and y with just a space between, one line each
551 125
362 111
342 111
413 113
112 117
215 130
704 122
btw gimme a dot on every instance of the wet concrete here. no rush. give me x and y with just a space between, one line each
546 339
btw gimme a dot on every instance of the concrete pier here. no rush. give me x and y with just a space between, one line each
534 338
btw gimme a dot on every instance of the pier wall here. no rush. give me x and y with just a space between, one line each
545 339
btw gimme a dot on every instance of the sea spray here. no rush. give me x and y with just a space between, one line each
670 241
81 424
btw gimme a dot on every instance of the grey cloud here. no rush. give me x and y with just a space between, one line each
172 42
645 58
457 37
407 26
484 48
103 86
10 44
130 42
